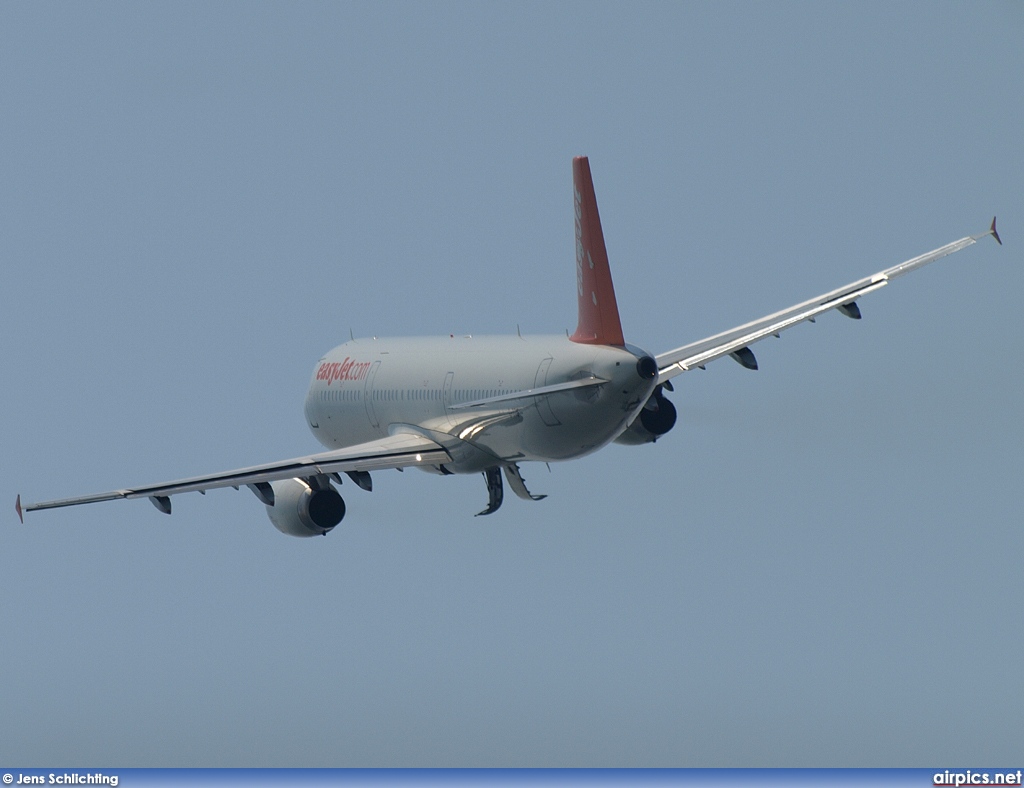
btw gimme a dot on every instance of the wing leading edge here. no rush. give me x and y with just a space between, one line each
735 341
395 451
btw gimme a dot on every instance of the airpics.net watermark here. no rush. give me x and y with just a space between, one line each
65 778
976 778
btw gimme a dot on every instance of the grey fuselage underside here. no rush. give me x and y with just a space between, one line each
369 388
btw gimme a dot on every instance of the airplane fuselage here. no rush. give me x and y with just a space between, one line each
470 395
485 404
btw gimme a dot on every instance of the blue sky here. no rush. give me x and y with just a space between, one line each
821 565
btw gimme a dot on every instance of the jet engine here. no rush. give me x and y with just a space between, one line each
655 418
305 508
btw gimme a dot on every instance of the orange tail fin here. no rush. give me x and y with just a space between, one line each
599 314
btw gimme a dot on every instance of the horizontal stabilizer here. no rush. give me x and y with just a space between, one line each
540 391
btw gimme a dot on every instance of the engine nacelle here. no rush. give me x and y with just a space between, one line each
302 510
655 418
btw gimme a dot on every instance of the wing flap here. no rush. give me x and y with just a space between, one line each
697 354
395 451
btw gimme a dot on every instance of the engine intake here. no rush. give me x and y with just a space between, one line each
655 418
301 509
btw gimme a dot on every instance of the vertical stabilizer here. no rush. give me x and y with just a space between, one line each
599 314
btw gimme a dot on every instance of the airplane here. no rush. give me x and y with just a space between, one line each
466 405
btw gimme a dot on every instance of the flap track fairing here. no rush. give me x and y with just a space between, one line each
745 357
850 310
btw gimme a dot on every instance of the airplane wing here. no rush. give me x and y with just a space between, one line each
736 341
395 451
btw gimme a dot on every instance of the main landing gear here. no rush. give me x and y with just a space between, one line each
496 490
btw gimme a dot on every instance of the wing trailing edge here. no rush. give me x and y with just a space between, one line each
401 450
735 341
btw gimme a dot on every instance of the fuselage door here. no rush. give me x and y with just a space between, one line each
543 405
447 396
368 395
